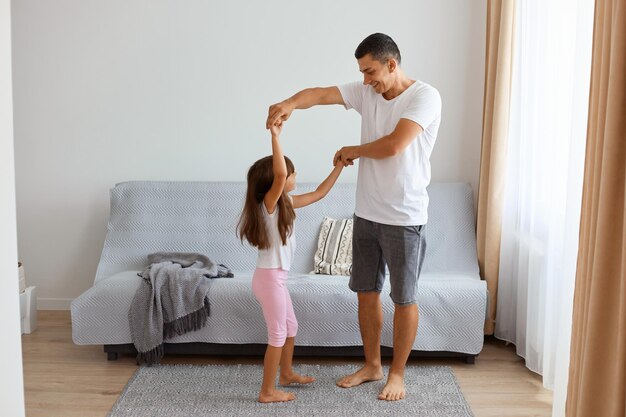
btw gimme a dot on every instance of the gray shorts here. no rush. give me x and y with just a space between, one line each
376 245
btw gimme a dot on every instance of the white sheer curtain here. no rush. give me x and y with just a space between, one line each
549 103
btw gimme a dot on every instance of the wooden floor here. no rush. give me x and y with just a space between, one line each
65 380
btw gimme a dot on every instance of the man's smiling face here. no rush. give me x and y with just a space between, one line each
377 74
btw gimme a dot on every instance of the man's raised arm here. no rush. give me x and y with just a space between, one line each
280 112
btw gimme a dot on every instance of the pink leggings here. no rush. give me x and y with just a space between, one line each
269 287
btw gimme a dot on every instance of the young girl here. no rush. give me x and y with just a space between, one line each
267 222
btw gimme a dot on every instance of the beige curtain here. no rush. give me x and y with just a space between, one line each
498 69
597 375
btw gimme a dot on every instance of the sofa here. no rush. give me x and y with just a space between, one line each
152 216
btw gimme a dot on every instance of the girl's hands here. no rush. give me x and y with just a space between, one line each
276 129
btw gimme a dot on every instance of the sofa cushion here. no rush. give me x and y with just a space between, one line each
452 312
334 247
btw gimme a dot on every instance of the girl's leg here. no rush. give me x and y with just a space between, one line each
267 287
269 393
287 376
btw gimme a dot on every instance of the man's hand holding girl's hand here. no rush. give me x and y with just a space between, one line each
278 113
346 155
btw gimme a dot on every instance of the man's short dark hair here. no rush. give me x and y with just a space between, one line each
380 46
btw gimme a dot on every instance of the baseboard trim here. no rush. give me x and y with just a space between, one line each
53 303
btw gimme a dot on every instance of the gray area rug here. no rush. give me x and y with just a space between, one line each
232 390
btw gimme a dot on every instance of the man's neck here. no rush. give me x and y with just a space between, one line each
401 84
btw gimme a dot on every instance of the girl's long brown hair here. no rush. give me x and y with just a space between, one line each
251 225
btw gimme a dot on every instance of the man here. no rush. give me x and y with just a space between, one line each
400 120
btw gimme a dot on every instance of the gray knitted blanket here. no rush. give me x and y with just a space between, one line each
171 300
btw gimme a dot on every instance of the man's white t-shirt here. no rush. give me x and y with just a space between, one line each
277 255
393 190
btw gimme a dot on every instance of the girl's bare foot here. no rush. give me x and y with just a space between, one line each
294 378
276 396
364 374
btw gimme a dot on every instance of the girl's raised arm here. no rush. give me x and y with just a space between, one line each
280 172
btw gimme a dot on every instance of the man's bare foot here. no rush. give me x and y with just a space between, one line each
294 378
394 388
365 374
276 396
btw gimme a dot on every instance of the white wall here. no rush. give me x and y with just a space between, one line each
109 91
11 379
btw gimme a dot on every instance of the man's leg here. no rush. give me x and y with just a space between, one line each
404 248
367 278
370 325
405 319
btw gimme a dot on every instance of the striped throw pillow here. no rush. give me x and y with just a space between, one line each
334 247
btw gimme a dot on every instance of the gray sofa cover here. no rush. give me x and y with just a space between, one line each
148 216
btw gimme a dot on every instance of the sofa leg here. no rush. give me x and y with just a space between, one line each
112 356
470 359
